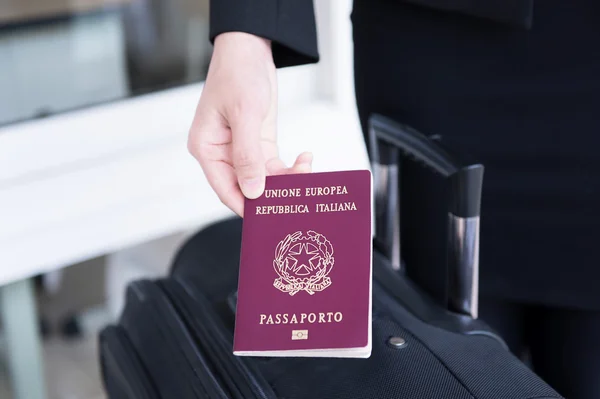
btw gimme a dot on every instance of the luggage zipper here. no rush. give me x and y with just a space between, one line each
119 359
215 340
169 324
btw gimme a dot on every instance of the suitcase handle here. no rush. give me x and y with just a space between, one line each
388 141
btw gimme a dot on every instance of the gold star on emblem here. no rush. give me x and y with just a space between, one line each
303 259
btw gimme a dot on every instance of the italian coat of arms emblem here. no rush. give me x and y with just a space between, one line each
303 262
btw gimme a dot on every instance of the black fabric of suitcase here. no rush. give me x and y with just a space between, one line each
175 335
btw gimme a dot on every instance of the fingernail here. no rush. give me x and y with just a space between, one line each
251 187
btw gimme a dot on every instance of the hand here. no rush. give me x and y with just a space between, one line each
233 135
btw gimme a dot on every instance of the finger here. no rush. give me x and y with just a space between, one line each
303 164
276 166
209 136
223 180
214 158
248 159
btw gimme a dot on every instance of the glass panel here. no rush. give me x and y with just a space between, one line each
59 55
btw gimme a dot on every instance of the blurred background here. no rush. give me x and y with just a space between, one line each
96 186
59 55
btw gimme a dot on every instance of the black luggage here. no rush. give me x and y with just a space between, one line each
174 338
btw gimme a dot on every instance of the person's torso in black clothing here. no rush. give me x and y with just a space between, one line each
526 103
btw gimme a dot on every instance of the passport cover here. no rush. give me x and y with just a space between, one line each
305 267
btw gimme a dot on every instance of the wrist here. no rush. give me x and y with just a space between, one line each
245 43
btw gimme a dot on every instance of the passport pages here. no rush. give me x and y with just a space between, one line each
305 267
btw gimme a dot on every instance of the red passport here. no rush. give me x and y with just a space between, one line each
305 267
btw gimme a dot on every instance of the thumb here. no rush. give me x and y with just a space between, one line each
248 159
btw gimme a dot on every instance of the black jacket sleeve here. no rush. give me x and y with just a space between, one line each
289 24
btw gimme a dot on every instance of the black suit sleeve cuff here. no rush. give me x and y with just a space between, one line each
289 24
